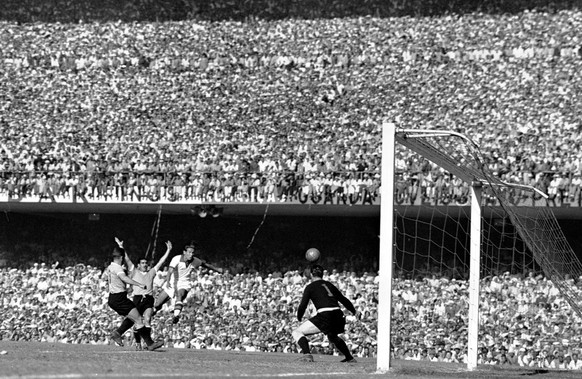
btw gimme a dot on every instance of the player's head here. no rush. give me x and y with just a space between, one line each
189 249
317 271
143 264
118 253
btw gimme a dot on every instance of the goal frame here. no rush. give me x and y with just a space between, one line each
386 254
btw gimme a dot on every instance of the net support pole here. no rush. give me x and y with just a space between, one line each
386 248
474 275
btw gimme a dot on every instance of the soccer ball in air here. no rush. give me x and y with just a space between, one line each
312 254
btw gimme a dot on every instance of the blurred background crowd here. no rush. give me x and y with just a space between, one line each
524 319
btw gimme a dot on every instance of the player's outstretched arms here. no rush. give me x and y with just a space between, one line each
128 261
213 268
119 242
164 257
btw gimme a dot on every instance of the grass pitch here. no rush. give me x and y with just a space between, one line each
48 361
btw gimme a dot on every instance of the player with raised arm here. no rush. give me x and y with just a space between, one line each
178 281
120 303
143 298
329 320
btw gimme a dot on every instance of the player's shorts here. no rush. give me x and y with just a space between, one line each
331 322
120 303
143 302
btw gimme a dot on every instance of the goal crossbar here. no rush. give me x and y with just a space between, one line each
412 139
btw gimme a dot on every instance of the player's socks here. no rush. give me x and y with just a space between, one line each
304 345
177 311
342 347
125 326
145 335
178 308
137 337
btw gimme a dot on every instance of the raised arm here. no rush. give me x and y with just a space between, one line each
164 257
128 261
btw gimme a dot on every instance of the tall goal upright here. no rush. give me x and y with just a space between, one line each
536 227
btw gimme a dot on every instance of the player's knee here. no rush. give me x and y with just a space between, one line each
297 334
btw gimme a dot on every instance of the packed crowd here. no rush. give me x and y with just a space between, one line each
524 320
303 42
162 102
27 11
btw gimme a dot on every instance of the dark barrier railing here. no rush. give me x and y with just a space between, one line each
347 188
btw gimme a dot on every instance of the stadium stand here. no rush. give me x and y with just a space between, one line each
171 10
525 320
107 100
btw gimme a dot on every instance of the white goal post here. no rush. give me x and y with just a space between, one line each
471 174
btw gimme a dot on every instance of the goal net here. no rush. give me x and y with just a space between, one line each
432 215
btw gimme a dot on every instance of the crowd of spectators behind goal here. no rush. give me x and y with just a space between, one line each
524 319
126 110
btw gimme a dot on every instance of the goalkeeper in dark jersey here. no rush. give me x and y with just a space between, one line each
329 320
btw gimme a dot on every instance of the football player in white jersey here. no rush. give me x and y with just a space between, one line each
143 298
179 281
119 302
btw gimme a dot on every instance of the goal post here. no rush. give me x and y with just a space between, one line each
386 250
386 256
534 229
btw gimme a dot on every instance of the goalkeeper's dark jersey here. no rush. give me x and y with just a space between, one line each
323 294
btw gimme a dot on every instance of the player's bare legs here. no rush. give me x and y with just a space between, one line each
133 318
147 317
162 298
179 305
299 335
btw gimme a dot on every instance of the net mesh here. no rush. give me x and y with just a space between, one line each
435 239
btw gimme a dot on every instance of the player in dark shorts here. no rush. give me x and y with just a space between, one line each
329 320
120 303
143 297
